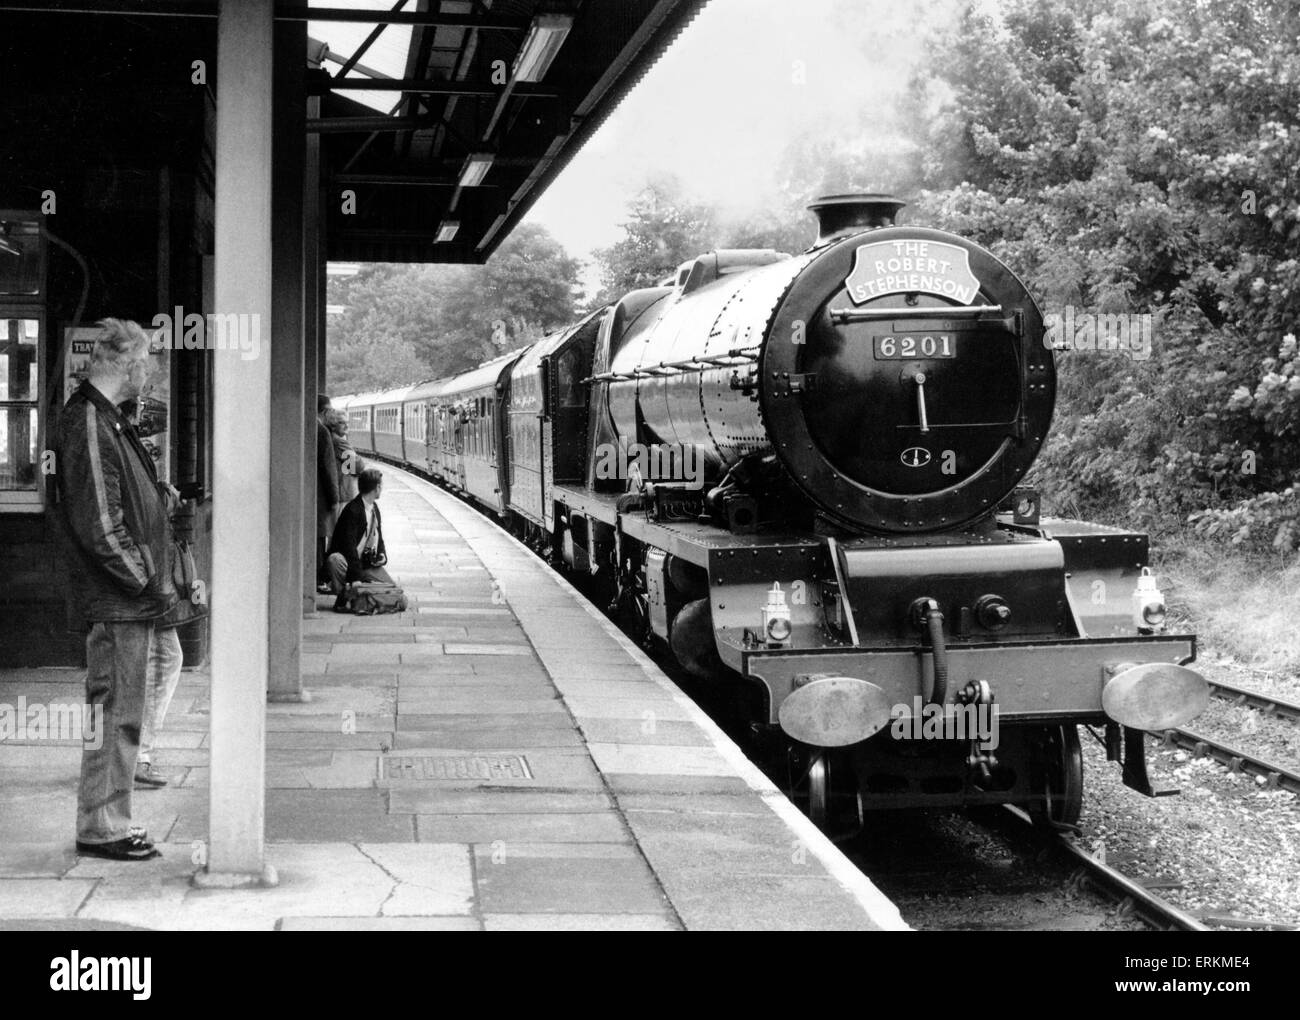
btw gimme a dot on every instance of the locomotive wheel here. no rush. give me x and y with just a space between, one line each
810 782
631 607
1060 785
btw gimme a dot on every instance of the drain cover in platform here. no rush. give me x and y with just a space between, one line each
436 767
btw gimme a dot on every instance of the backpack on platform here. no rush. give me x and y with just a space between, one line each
371 598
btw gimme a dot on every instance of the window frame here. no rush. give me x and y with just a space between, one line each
32 306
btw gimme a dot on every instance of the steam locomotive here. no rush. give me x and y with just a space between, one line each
801 476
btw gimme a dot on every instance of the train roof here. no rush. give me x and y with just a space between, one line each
487 374
429 388
349 400
395 396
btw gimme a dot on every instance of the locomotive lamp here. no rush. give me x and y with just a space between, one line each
776 618
1148 604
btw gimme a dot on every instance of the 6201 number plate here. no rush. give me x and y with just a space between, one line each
915 345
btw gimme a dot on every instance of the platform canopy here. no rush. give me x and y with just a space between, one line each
445 119
460 113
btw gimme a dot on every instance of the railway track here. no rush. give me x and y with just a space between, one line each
1275 776
1129 895
993 869
1265 703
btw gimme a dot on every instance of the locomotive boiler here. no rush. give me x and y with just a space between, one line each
803 476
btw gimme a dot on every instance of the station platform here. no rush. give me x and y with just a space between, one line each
498 757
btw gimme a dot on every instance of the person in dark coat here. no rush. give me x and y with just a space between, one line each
350 465
116 541
356 551
327 488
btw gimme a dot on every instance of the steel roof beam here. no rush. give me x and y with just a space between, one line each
208 9
411 180
369 41
342 125
429 18
424 86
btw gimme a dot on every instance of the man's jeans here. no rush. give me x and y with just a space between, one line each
117 656
338 571
160 684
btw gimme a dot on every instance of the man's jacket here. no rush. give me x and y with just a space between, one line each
349 533
327 469
117 539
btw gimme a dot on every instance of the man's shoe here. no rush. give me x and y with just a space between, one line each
147 777
134 847
341 605
324 589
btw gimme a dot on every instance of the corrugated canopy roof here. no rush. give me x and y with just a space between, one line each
464 111
447 118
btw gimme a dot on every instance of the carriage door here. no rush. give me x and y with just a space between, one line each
568 416
461 423
430 436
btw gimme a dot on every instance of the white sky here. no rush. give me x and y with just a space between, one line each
723 103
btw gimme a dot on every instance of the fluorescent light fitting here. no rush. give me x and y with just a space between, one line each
545 37
447 230
475 169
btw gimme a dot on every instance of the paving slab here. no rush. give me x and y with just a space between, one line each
503 739
580 922
648 759
466 687
422 800
42 897
348 816
380 924
37 860
647 729
517 882
431 877
534 707
546 827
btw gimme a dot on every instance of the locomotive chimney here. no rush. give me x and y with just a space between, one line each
841 215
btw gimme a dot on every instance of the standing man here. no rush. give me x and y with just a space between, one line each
117 545
327 489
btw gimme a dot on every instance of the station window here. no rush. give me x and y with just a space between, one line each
22 346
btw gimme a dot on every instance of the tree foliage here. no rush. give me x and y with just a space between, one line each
664 228
1141 158
405 323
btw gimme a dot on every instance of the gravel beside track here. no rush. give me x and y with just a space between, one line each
1232 845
